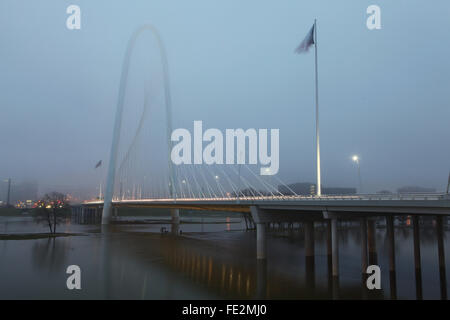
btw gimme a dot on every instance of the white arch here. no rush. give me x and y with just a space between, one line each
107 206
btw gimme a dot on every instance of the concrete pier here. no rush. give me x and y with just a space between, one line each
335 247
329 257
261 249
309 255
86 215
417 260
175 222
329 244
261 279
309 239
261 241
364 256
390 233
371 242
441 253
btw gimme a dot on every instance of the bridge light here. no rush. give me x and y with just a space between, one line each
217 177
355 159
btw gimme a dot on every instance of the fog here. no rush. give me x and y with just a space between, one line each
384 94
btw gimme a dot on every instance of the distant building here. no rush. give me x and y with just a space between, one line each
415 189
20 192
300 188
307 188
338 191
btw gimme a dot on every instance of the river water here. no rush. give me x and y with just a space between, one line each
214 258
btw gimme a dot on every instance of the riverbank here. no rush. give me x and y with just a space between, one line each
12 212
34 236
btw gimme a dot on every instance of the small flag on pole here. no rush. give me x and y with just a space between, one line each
98 164
307 42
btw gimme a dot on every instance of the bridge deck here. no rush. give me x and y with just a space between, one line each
423 204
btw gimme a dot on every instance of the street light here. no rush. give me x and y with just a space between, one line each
355 159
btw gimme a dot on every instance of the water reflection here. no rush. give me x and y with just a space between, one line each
138 262
239 276
49 255
229 279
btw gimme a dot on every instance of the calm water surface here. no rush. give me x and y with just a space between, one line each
214 258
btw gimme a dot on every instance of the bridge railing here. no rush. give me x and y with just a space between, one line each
405 196
354 197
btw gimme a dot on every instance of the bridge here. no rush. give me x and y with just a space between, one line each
141 174
348 205
267 210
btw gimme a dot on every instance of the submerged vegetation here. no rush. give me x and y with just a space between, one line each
51 210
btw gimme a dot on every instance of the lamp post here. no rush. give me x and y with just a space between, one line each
267 173
216 177
355 159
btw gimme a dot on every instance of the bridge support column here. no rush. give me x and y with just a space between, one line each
261 279
309 254
329 255
371 238
391 249
261 249
329 246
309 239
335 247
417 260
441 253
335 258
175 214
364 256
260 241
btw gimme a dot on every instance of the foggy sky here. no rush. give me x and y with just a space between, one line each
384 94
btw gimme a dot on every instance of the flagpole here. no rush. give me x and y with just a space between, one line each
319 188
